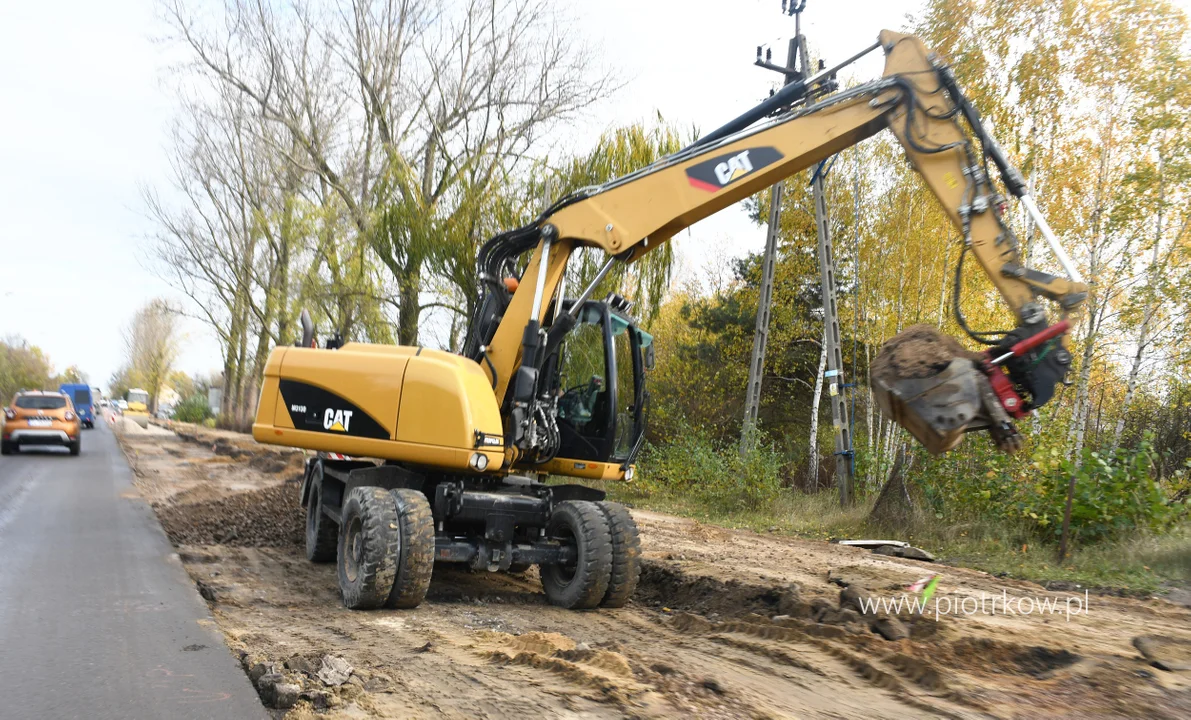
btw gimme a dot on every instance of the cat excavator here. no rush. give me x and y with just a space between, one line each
471 456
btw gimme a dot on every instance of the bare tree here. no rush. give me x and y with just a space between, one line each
151 342
404 109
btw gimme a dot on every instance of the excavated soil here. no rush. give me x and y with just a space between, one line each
919 351
725 624
269 517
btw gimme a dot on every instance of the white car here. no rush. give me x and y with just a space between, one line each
122 404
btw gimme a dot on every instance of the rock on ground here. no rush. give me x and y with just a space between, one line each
334 671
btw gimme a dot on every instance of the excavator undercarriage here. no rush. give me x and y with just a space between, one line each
549 384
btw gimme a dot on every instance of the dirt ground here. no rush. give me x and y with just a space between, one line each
725 624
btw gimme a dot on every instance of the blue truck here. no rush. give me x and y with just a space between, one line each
84 406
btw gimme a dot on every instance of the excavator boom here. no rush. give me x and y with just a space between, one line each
918 101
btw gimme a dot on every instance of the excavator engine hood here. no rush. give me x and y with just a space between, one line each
407 404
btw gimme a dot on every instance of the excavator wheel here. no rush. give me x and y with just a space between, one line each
414 561
626 555
322 535
369 541
932 386
580 585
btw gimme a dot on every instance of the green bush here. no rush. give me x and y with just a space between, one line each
694 466
1114 495
193 409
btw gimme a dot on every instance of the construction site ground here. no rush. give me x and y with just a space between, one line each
725 623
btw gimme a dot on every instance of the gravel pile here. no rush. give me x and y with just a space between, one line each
270 517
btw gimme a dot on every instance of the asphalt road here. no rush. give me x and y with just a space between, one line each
98 619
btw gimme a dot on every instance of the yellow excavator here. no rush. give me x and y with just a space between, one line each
548 384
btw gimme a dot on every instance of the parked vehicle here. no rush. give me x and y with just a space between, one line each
38 417
84 401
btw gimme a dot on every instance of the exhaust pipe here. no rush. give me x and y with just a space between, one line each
307 330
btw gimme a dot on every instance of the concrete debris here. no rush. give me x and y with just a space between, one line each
334 671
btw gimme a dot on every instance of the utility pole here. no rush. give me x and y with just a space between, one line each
841 430
752 399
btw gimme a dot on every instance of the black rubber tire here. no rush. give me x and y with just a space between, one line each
582 586
322 534
415 554
76 447
368 544
626 555
6 448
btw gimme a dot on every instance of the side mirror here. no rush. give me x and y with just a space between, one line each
650 359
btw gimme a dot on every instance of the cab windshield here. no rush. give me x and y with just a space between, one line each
600 386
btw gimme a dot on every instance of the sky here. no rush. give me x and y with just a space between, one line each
86 103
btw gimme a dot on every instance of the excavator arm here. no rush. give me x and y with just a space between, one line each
918 101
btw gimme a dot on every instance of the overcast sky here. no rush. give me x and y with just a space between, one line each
86 107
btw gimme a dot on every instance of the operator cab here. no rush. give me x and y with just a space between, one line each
598 375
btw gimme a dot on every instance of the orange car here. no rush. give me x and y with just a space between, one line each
38 417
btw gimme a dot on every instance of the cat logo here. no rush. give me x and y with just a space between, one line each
721 171
337 420
735 166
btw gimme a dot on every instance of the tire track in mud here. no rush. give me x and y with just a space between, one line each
862 653
862 666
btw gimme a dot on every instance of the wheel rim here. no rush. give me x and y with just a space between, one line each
353 549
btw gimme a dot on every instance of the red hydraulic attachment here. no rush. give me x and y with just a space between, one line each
1001 386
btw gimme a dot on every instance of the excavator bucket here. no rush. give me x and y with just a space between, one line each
930 385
